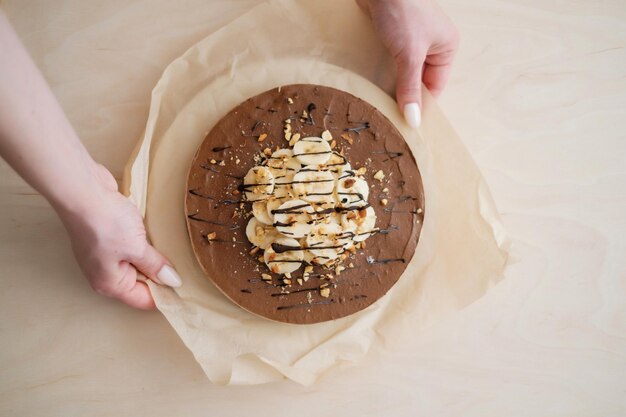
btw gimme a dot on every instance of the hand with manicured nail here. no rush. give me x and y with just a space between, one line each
422 40
37 140
109 242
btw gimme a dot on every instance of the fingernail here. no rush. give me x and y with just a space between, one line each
168 276
412 115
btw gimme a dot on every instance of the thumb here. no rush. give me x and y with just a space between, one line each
409 86
155 266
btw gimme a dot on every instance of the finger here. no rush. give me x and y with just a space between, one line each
437 71
122 284
138 296
156 267
409 86
436 77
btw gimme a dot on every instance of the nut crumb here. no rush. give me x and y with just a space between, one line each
289 100
267 152
420 211
213 161
254 250
222 164
384 201
333 144
327 136
347 138
325 292
211 236
266 277
379 175
262 137
385 190
351 265
361 171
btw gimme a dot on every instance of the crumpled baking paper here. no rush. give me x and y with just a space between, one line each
462 249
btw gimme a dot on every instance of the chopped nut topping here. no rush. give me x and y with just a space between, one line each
213 161
385 190
379 175
384 201
347 138
267 152
287 281
211 236
299 281
333 144
262 137
308 269
295 138
420 211
236 192
349 182
222 164
289 100
266 277
325 292
254 250
351 265
327 136
361 171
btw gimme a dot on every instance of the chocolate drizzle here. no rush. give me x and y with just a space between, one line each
357 129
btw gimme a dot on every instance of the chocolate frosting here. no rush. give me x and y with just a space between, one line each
217 212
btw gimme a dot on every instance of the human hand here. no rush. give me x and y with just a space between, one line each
422 40
109 242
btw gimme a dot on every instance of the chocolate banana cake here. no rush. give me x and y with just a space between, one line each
304 204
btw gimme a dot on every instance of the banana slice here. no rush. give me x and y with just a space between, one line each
284 159
325 242
352 190
314 184
294 218
283 166
360 222
259 210
258 183
283 255
312 151
260 234
338 164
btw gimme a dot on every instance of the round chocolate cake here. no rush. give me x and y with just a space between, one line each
304 204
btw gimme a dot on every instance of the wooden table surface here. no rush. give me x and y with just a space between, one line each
538 94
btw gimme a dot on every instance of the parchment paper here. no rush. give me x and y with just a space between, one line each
462 250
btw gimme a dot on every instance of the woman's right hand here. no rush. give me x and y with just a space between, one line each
422 40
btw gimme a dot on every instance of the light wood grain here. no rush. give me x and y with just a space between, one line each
539 95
